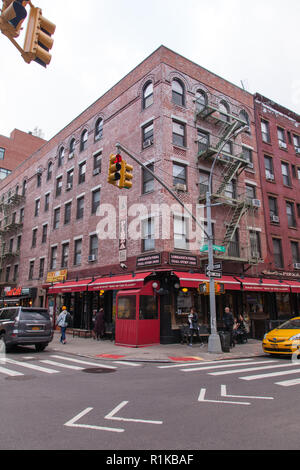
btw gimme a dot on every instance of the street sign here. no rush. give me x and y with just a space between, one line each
216 267
213 274
204 248
219 248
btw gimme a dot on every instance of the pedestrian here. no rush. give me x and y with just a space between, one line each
193 323
228 324
64 319
99 324
93 323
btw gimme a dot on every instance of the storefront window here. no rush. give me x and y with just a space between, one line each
148 308
127 307
184 302
283 305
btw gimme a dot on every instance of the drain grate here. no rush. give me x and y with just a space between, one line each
98 370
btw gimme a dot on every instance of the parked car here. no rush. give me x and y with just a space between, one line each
285 339
25 326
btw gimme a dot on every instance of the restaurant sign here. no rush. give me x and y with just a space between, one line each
57 276
183 260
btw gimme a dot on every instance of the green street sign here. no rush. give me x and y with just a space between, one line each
204 248
219 248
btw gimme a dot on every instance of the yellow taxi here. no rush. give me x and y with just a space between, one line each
285 339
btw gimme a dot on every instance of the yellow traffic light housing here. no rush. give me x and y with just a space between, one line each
38 38
12 16
114 170
219 288
204 288
126 176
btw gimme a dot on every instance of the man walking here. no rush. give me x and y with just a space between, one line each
228 324
63 321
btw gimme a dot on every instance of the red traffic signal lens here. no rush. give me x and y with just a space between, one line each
118 159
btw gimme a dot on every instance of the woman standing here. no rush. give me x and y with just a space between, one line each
99 324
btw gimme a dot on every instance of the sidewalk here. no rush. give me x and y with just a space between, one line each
106 349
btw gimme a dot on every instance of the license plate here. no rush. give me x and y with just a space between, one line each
36 328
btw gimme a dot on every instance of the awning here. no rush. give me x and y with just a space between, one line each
128 281
294 285
194 279
264 285
69 286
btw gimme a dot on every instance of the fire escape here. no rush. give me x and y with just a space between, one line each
219 126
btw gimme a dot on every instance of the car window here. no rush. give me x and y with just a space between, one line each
36 314
290 325
8 314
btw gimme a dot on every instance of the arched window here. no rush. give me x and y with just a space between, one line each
72 148
61 155
147 95
49 171
24 187
244 117
83 140
99 129
224 111
178 92
201 100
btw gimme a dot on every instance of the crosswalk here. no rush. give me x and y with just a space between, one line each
54 364
264 369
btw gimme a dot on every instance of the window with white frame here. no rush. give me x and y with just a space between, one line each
181 233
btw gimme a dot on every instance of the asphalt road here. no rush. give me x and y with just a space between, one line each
81 403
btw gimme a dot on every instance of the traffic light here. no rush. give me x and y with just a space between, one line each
114 170
204 288
219 288
12 16
126 175
38 38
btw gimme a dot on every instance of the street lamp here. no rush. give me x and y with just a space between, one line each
214 343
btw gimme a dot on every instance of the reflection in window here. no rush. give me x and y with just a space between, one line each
127 307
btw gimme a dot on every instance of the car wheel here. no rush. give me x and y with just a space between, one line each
40 347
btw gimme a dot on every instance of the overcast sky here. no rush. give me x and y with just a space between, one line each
98 42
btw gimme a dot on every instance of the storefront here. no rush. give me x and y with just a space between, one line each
15 296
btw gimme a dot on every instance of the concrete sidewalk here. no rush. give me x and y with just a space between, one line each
106 349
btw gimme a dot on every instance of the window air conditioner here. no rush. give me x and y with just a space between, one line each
255 202
147 143
69 186
297 150
92 258
180 187
297 265
275 218
282 145
71 155
269 176
96 171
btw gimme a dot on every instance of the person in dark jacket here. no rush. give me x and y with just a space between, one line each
193 324
99 324
228 324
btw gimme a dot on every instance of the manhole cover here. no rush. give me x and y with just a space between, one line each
98 370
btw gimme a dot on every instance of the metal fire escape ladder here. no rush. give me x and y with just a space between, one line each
238 213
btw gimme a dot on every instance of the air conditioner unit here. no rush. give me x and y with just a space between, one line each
96 171
297 149
269 176
250 165
275 218
282 145
296 265
69 186
180 187
92 258
71 155
256 203
147 143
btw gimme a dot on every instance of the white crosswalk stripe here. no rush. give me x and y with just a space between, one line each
250 369
173 366
288 383
31 366
272 374
234 364
88 363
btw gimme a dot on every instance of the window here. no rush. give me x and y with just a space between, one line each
99 129
49 171
285 174
41 268
97 163
44 233
201 100
227 148
2 153
7 273
56 218
59 182
127 307
61 155
265 132
179 174
245 118
4 173
34 238
295 252
24 187
77 252
148 180
296 141
53 258
179 133
95 200
47 202
250 192
255 246
273 209
290 212
65 255
68 210
22 215
180 233
16 272
70 176
83 140
37 207
203 140
80 208
72 148
234 245
278 260
94 246
178 92
247 155
39 179
269 168
230 190
148 308
281 137
81 174
31 269
224 111
148 242
19 239
147 135
11 245
148 95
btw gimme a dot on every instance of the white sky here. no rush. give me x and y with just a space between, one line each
97 42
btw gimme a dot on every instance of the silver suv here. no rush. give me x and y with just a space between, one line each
25 325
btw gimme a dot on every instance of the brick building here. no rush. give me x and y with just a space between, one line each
63 222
